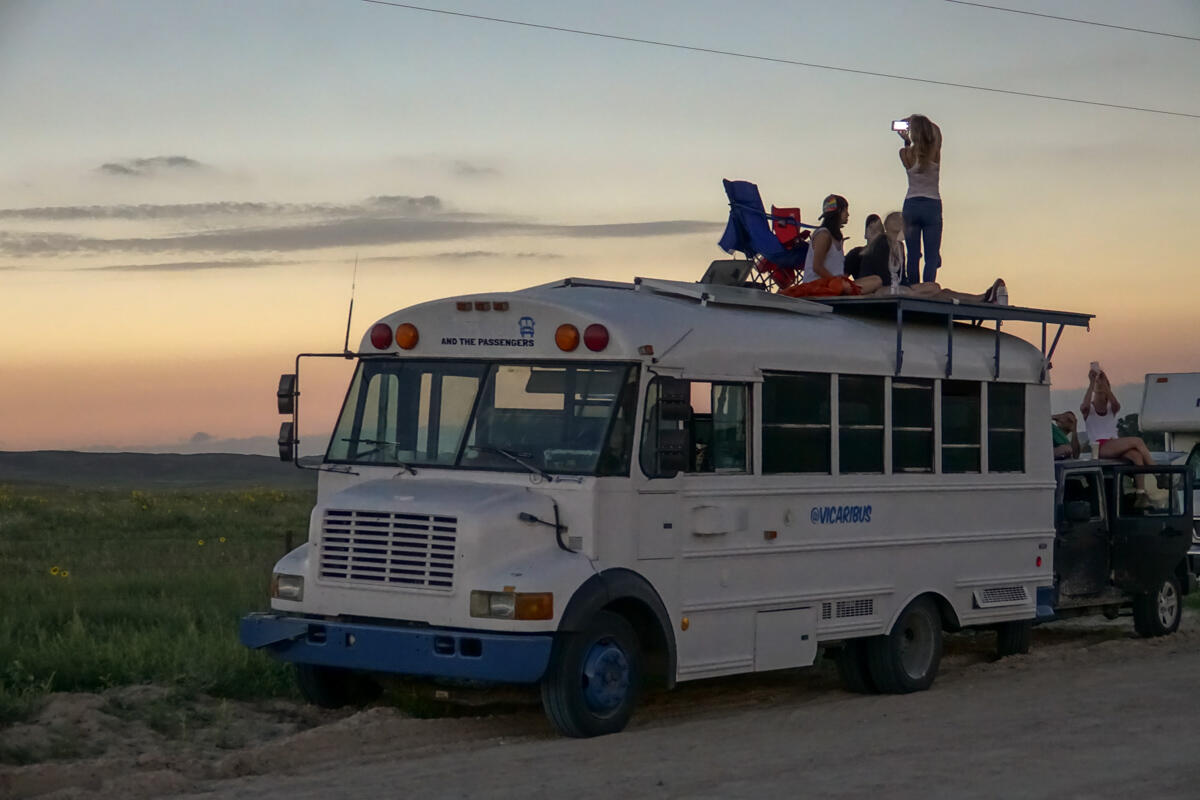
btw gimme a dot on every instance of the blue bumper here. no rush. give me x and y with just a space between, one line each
426 652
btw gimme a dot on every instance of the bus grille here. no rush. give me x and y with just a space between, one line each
382 548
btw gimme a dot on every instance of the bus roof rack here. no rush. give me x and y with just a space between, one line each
948 311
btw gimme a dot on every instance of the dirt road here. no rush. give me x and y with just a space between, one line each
1083 716
1091 713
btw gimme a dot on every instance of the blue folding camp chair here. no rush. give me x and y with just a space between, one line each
749 233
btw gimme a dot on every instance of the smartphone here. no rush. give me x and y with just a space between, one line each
899 124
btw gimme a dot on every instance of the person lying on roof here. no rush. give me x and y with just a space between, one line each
880 263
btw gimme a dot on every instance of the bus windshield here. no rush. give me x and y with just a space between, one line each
538 417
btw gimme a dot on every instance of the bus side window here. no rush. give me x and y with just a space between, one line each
719 423
860 424
960 426
912 425
1006 427
796 423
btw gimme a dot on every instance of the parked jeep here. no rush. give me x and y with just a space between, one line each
1122 539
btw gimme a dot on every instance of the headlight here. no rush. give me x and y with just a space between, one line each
512 605
287 587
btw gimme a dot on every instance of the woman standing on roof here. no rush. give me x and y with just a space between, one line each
825 264
922 160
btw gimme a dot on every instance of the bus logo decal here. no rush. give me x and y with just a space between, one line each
840 515
525 325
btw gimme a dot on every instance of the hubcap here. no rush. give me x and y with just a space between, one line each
916 645
1168 604
605 676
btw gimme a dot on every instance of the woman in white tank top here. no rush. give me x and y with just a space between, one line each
1100 409
922 160
825 259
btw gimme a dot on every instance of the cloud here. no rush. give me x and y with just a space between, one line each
190 266
145 167
353 232
405 203
385 204
465 169
200 436
463 255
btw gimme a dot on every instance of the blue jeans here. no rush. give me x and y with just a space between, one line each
922 217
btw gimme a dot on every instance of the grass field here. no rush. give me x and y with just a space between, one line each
104 588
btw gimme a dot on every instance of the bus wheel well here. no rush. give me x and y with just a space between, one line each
651 637
950 621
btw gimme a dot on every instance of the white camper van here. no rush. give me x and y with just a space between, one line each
1171 405
587 484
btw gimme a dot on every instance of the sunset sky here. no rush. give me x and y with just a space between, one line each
184 186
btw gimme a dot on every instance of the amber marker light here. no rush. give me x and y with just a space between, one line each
381 336
684 624
535 605
566 337
407 336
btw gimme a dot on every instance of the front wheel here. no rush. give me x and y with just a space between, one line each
1158 613
906 660
594 678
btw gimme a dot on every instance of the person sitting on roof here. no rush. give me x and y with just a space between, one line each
1063 430
825 263
873 228
884 258
1100 408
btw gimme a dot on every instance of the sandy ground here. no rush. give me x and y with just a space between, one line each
1091 713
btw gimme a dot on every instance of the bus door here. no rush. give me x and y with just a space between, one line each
662 455
1081 548
1153 526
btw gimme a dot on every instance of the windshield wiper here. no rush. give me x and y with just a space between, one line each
513 457
380 443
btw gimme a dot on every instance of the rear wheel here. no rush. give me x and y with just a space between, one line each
594 678
1158 613
330 687
854 669
1013 638
906 660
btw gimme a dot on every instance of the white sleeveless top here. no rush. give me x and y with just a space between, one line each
924 183
1100 426
835 259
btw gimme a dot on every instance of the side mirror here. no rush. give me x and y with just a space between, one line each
286 394
1078 511
674 399
287 441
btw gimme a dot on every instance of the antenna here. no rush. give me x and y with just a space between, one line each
350 313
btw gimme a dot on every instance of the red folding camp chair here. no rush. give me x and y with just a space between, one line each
785 223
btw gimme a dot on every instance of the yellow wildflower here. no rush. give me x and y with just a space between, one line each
54 570
63 574
221 540
200 542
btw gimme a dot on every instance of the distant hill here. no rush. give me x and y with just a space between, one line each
151 470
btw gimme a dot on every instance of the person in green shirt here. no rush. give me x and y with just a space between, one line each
1066 440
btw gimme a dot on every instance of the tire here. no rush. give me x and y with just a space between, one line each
906 660
330 687
1158 613
853 668
594 678
1013 638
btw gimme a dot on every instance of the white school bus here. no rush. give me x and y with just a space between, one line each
590 485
